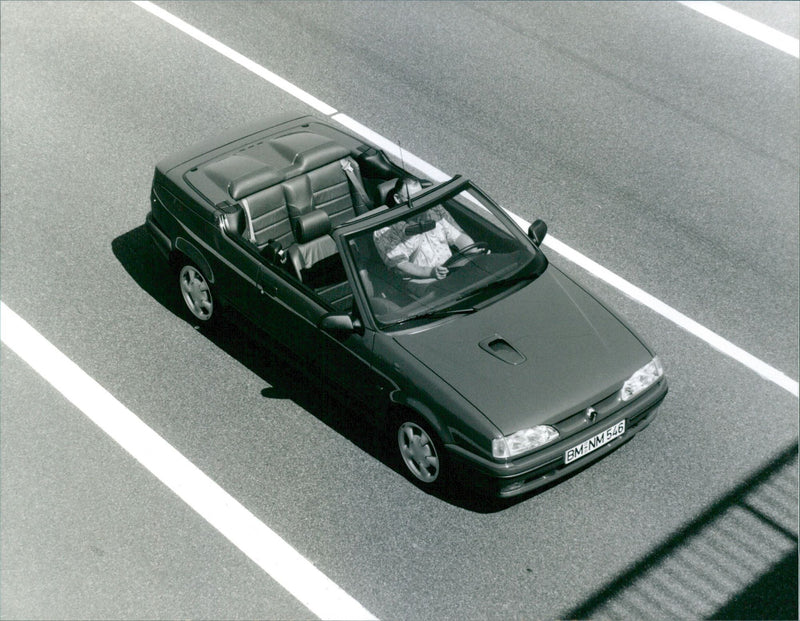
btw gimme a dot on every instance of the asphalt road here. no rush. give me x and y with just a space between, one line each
662 144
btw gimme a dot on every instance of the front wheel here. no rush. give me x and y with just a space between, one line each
196 293
422 452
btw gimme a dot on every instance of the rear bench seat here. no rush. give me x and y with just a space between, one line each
298 206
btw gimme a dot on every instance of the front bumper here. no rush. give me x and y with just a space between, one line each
530 472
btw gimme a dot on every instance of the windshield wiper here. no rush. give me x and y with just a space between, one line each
437 314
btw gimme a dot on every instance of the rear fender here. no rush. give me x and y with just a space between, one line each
191 252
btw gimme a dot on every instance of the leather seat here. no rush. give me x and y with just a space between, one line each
314 244
298 206
267 217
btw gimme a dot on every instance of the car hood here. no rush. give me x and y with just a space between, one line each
534 357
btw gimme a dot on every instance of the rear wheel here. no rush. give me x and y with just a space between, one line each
421 452
197 293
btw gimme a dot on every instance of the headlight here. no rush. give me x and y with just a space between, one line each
645 377
523 441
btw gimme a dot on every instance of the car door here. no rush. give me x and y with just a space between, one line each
341 361
286 313
290 314
345 362
258 289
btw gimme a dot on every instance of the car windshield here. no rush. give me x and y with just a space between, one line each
440 257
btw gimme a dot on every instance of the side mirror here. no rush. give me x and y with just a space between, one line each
339 325
537 231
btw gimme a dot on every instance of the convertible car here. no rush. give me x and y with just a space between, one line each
498 371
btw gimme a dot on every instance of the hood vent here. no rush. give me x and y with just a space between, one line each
502 350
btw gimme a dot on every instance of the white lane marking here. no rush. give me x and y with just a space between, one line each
746 25
409 159
238 58
717 342
276 557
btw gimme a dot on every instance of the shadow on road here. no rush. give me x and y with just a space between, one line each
737 560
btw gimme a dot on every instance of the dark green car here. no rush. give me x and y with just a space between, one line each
495 367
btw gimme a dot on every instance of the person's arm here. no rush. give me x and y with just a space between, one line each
462 241
419 271
396 254
453 233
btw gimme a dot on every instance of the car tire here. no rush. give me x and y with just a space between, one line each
420 451
197 294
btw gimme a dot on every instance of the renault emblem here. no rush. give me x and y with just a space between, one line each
591 414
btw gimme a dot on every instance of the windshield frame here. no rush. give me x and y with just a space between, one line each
430 197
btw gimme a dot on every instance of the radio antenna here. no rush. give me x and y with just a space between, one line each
402 161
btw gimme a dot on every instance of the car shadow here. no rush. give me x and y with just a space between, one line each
140 258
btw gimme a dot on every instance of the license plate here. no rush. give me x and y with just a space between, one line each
595 442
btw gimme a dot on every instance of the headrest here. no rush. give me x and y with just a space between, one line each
385 188
319 156
312 225
234 219
253 182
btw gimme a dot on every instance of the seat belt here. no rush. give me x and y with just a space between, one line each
355 181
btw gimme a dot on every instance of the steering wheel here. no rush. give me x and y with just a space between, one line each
460 258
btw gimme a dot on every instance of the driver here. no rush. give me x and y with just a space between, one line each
419 247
